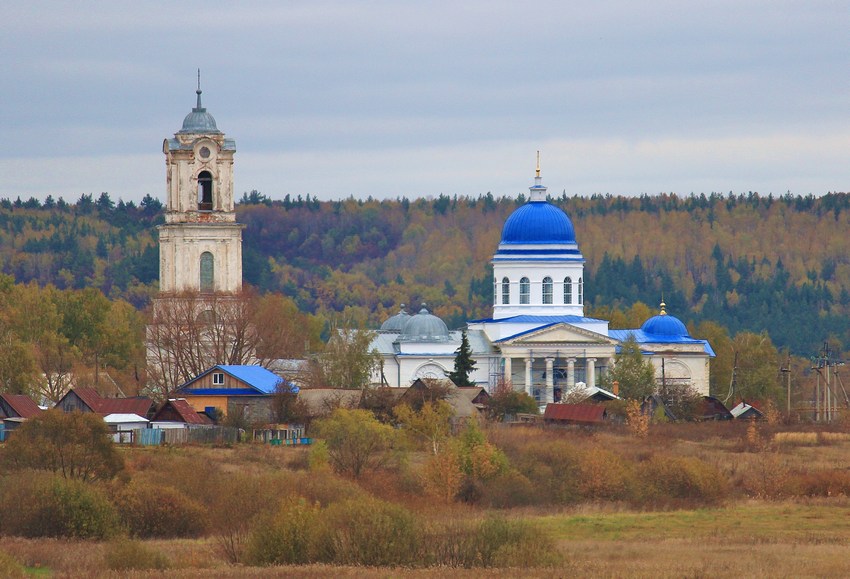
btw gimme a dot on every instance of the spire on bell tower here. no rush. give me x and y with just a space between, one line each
538 191
199 108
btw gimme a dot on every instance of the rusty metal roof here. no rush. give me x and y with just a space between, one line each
575 413
22 405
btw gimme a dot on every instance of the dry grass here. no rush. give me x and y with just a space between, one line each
763 537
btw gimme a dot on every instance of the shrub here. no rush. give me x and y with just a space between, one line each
682 478
159 511
367 532
10 568
356 441
75 444
46 505
823 483
442 475
511 489
603 475
240 499
125 555
285 537
494 542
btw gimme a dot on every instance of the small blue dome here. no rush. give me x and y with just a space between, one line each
538 222
664 325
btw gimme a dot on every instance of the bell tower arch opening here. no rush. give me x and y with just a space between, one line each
205 191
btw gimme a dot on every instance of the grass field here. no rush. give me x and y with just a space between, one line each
744 535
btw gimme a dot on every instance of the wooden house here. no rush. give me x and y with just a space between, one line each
179 411
18 406
89 400
229 389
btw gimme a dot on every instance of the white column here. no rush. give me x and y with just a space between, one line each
550 380
571 374
528 362
590 371
507 373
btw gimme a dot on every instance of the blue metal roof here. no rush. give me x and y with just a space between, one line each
526 319
263 380
643 338
538 222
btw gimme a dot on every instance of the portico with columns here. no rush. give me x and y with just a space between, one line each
547 363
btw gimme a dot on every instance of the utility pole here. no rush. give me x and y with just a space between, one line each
787 371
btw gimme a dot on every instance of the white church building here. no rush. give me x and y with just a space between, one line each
538 337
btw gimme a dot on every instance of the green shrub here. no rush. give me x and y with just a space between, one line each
76 445
285 537
47 505
160 511
367 532
125 555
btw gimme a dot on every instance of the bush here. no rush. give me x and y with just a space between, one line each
493 542
682 478
285 537
46 505
162 512
822 483
355 440
10 568
75 444
125 555
511 489
367 532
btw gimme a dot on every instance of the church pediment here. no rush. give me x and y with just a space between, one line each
562 333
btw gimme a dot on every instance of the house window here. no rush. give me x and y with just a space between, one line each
218 378
506 291
205 185
207 272
547 290
568 290
524 291
580 291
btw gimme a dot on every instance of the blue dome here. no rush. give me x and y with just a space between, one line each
538 222
664 325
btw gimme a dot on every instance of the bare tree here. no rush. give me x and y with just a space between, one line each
190 332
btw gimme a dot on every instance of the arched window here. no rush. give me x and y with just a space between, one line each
207 272
568 290
547 290
205 192
580 291
524 291
506 291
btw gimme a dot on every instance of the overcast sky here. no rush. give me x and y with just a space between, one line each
340 98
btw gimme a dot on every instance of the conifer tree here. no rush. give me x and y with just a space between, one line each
464 364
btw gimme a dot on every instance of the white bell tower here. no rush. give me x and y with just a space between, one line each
200 244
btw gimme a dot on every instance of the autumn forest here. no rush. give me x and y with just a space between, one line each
727 265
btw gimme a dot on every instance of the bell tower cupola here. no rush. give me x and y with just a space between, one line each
200 243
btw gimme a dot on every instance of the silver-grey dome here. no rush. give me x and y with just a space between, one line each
199 121
424 327
396 322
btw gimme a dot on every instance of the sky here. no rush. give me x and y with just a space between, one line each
345 98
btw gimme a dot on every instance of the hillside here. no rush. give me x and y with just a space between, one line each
775 264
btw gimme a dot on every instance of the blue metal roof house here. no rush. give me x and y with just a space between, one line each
224 389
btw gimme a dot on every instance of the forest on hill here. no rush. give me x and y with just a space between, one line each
753 263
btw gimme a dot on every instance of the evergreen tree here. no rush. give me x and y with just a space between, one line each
464 364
